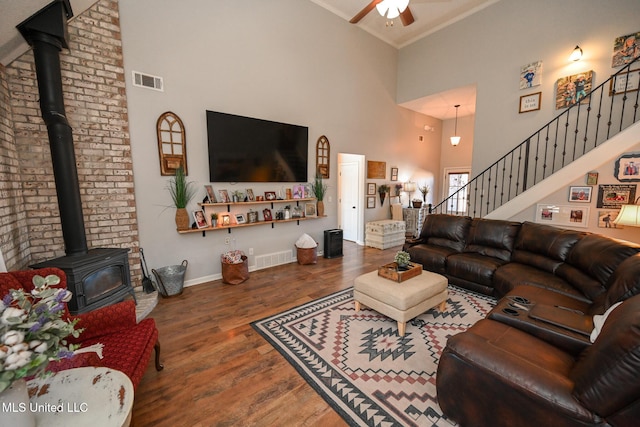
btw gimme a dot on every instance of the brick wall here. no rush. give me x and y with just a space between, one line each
96 106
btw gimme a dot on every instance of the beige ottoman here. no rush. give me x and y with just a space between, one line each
400 301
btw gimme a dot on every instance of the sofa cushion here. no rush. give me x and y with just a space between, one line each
606 375
446 230
493 238
624 283
543 246
514 274
473 267
594 258
433 258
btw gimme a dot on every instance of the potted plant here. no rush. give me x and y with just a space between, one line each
214 219
181 192
319 189
402 258
383 189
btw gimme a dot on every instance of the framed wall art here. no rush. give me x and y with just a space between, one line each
531 75
310 209
371 202
580 194
592 178
211 195
606 217
564 215
613 196
627 168
371 188
394 174
628 81
625 49
376 170
573 89
530 102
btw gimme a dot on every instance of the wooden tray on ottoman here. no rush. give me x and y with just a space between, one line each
390 271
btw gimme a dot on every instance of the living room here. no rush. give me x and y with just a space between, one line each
288 61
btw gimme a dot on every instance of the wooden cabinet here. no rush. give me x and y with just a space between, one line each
307 208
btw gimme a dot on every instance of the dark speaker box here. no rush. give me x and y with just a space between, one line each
333 243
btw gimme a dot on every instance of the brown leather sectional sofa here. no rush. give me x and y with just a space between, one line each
531 362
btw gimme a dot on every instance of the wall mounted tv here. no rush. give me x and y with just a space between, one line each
244 149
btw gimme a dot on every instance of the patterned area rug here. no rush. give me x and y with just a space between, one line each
358 363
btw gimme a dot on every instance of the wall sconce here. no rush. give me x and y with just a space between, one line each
429 128
576 55
455 140
409 187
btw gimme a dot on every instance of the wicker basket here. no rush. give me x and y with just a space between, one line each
171 279
307 255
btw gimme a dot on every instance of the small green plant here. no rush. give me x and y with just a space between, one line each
214 219
402 258
319 188
180 189
383 188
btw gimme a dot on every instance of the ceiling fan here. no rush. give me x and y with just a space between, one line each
388 8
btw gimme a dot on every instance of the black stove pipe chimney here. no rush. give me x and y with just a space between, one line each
46 32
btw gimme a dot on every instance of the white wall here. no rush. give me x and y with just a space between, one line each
488 49
282 60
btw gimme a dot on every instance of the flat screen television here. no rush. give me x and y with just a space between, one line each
244 149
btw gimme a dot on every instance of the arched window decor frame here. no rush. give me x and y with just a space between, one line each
172 144
323 156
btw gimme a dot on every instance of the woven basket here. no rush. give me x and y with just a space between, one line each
307 255
171 279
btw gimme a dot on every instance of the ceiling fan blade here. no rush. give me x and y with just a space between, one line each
364 11
407 17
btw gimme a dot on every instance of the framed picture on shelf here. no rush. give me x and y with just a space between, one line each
250 196
224 196
564 215
371 202
240 219
371 188
210 194
226 220
270 195
266 213
580 194
199 218
310 209
298 191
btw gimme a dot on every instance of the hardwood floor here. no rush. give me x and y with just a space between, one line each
219 371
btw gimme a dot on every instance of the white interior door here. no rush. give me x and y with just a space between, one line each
349 200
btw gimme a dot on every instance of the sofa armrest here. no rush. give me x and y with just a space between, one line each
105 320
413 242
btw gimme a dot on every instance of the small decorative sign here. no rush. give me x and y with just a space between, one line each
530 102
615 195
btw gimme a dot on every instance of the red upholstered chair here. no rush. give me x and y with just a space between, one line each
127 344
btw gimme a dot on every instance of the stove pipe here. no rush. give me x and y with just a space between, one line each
46 32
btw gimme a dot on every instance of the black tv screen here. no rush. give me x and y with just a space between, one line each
244 149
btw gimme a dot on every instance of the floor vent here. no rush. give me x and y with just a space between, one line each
148 81
276 258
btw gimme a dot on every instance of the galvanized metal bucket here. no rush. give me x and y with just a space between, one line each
171 279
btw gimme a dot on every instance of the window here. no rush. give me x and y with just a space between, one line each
455 188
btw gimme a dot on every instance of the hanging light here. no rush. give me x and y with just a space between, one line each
392 8
455 140
576 54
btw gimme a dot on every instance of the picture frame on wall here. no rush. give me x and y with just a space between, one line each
606 218
371 202
573 89
531 75
613 196
371 188
627 168
592 178
628 81
625 49
563 215
580 194
530 102
394 174
376 170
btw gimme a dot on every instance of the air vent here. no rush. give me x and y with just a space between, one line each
273 259
148 81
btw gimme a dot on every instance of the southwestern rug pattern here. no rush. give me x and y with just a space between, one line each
358 363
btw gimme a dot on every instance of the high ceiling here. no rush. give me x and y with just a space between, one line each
429 15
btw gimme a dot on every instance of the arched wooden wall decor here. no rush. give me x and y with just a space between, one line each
172 144
323 154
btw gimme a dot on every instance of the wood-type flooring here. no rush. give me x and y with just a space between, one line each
218 371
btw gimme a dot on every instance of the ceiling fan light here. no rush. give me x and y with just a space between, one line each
382 7
393 13
402 4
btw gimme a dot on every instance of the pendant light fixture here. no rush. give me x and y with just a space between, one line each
392 8
455 140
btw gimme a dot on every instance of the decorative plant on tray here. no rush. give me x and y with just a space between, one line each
33 331
181 192
402 258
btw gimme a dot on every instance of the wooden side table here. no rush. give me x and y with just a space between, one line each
96 397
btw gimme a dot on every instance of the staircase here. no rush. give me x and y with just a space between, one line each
556 153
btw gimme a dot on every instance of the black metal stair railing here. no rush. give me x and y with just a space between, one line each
605 111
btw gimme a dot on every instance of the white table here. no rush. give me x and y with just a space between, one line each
96 397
